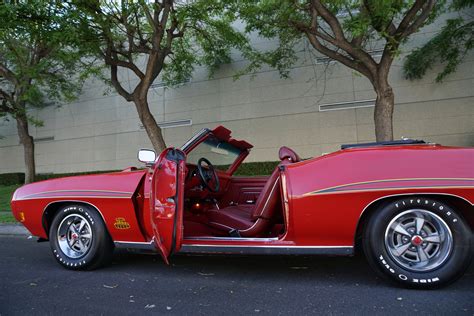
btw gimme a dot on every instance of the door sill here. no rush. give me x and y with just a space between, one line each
267 249
205 238
135 245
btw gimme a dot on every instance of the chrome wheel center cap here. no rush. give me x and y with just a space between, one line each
74 236
416 240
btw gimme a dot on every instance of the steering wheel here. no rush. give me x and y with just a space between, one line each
208 175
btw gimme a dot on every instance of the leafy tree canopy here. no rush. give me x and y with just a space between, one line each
156 38
184 34
38 57
449 46
39 65
347 31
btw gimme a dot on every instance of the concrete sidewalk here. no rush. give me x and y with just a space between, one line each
13 229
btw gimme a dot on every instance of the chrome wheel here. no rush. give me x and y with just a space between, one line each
74 236
418 240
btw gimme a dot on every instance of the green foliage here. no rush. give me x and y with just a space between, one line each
39 58
345 31
363 23
7 179
7 217
261 168
271 19
449 46
123 33
6 192
208 38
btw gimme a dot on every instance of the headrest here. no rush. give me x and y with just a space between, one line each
288 153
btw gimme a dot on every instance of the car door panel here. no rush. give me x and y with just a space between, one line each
166 201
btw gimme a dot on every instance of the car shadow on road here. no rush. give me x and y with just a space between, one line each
330 271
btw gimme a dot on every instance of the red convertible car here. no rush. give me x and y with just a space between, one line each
408 205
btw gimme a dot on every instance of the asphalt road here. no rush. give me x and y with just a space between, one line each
33 283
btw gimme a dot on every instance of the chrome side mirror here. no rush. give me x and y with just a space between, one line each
147 156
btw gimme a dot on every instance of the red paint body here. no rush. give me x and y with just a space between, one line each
323 198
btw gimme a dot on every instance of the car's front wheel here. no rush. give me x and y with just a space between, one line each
79 239
418 242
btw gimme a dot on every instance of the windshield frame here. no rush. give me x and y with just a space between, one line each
195 140
200 137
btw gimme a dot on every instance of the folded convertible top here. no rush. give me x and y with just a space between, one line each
387 143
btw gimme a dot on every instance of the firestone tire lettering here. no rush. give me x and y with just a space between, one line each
403 277
378 253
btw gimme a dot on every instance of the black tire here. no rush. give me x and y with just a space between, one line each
385 240
95 251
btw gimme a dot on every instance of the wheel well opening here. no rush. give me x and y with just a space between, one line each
52 209
465 209
363 220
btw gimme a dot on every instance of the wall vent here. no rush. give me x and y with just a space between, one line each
161 84
346 105
43 139
170 124
326 60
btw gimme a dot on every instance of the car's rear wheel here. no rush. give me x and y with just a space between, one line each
418 242
79 239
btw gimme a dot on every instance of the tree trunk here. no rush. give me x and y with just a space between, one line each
149 122
28 148
383 113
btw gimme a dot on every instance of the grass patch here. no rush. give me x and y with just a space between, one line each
6 192
7 217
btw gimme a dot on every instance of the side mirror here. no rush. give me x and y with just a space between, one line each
147 156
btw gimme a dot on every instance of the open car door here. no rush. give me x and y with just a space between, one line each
166 201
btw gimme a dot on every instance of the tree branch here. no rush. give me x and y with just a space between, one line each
142 45
161 25
157 56
171 35
149 18
115 82
411 22
8 74
425 13
8 99
340 40
330 19
111 58
409 25
337 56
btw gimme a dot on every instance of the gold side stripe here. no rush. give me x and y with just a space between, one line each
73 196
387 180
59 191
390 189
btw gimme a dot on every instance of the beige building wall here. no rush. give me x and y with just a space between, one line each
102 132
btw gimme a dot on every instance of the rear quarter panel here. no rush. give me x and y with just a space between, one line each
328 195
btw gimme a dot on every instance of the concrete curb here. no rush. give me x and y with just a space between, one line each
13 229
